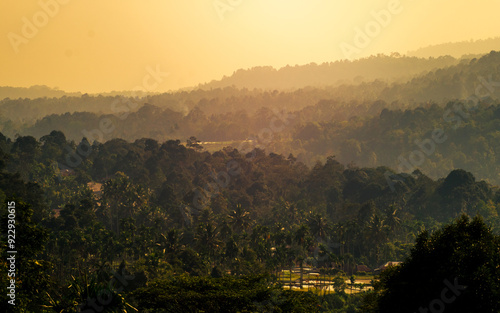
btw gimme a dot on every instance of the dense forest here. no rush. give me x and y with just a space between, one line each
149 220
231 156
369 196
369 124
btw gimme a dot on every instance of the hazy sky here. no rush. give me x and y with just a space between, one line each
104 45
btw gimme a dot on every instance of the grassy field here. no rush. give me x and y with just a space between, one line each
323 284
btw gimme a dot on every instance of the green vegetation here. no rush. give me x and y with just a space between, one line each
274 201
135 225
455 269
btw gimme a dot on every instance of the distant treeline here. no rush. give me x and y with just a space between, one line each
382 84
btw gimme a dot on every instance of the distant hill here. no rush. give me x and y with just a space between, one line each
33 92
480 77
459 81
458 49
394 68
368 124
42 91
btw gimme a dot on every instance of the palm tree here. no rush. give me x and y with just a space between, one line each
206 216
303 242
392 220
231 253
377 232
352 229
318 226
291 258
239 219
208 240
260 242
340 230
348 262
171 242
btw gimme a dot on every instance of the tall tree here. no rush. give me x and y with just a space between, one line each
239 219
455 269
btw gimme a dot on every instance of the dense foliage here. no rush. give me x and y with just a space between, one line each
369 124
456 269
169 209
116 214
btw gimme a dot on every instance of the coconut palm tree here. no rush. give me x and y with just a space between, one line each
207 237
377 233
240 219
318 226
392 219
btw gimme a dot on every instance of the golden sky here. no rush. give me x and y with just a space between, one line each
104 45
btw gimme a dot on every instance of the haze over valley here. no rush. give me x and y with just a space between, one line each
250 156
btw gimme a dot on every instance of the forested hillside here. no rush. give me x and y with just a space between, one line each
163 208
33 92
459 102
238 93
264 156
394 68
458 49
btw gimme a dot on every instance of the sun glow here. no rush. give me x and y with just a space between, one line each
106 45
